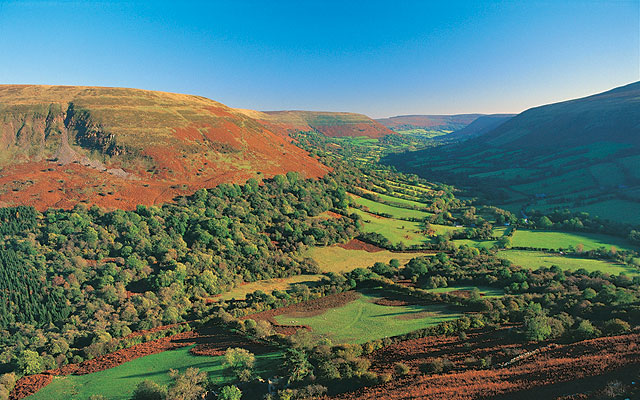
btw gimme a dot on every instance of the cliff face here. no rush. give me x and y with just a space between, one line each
61 145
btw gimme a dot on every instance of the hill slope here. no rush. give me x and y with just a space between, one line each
332 124
483 124
582 154
120 147
428 123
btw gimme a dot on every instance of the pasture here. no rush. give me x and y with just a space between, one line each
362 320
537 259
397 231
557 240
269 285
338 259
118 383
485 291
396 212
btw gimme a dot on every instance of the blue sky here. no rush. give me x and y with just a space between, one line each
378 58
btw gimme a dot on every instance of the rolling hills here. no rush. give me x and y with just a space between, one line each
431 125
118 147
582 154
332 124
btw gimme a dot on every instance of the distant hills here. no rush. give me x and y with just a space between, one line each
332 124
60 145
481 125
428 122
582 154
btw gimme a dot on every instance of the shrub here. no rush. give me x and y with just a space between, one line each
149 390
401 369
230 393
437 366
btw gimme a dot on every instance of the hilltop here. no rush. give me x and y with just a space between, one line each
332 124
582 154
120 147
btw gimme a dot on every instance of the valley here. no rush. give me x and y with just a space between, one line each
293 238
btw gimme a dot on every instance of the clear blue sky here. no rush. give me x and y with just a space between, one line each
378 58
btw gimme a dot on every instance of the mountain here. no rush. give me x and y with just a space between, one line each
480 126
428 123
582 154
332 124
118 147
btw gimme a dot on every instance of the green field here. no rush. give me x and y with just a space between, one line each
409 233
119 382
485 291
536 259
556 240
396 212
487 244
615 210
269 285
362 320
396 200
337 259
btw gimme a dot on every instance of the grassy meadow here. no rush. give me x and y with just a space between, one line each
485 291
118 383
337 259
557 240
362 320
396 212
537 259
269 285
409 233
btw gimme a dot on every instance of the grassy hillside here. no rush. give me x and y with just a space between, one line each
578 154
121 147
480 126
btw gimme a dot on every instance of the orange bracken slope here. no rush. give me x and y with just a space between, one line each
116 147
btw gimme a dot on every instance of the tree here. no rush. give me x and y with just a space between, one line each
30 363
537 328
297 365
240 361
187 386
230 393
149 390
586 330
545 223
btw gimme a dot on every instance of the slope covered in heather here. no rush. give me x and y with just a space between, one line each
61 145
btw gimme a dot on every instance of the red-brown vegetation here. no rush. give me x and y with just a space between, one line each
551 365
304 309
355 244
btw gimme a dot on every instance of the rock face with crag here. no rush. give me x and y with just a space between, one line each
118 147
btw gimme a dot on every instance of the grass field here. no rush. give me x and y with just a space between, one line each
337 259
397 200
395 230
269 285
396 212
487 244
615 210
362 320
556 240
119 382
536 259
485 291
